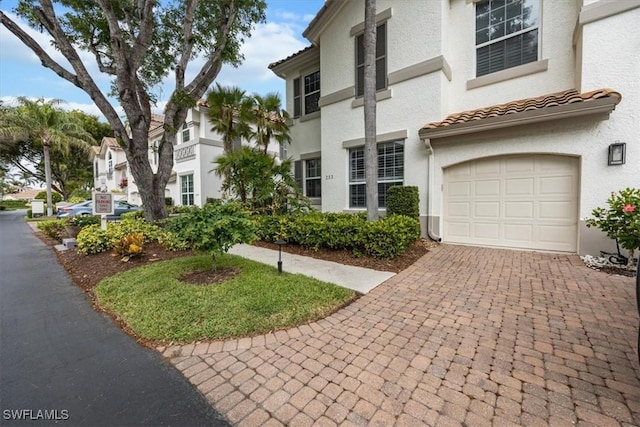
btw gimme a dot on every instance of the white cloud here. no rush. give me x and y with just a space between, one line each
269 43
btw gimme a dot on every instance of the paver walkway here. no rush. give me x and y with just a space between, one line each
466 336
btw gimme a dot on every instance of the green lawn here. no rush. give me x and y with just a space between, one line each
157 306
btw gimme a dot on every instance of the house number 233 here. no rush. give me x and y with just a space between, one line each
327 177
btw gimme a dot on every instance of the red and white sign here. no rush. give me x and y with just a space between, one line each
102 204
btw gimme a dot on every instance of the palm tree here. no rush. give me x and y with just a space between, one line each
270 121
370 146
42 122
229 113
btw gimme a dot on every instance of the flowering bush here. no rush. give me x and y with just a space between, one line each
124 182
621 220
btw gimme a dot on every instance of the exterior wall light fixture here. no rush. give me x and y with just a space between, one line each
617 153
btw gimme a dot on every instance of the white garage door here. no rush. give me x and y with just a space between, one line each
525 201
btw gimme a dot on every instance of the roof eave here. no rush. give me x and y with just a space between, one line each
322 18
296 62
602 106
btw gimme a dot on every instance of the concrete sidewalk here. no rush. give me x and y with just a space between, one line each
359 279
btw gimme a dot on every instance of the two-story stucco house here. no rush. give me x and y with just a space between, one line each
514 118
192 180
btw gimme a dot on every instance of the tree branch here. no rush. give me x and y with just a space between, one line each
187 49
82 78
145 35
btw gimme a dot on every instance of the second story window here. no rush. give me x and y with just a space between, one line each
306 88
381 60
186 133
507 33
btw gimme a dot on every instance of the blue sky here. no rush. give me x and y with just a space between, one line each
21 73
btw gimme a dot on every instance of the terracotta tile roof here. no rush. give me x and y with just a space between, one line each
541 102
157 120
282 61
111 142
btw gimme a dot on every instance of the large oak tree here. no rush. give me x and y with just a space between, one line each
139 43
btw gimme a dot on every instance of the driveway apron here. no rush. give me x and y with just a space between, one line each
62 362
466 336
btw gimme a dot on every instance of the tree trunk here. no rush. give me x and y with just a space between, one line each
47 177
370 146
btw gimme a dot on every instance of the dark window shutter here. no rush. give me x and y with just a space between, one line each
297 172
297 100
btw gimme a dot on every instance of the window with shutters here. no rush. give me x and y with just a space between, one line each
390 172
306 94
381 60
313 178
507 33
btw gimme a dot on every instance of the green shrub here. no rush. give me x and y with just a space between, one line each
390 236
14 204
53 228
82 220
80 195
214 228
386 238
92 240
168 201
621 219
403 200
74 200
29 213
55 196
2 207
132 215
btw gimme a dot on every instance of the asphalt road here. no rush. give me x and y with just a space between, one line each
63 363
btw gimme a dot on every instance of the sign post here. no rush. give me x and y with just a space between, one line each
103 206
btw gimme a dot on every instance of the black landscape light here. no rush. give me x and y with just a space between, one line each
280 242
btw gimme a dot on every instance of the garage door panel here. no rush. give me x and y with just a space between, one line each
518 233
518 210
519 165
487 210
459 189
519 187
458 229
487 230
460 209
487 167
487 187
557 185
522 201
555 210
556 236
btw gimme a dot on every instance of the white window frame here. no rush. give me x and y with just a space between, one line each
186 130
536 27
357 177
308 177
300 94
189 195
383 57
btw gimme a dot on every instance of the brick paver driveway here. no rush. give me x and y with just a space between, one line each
466 336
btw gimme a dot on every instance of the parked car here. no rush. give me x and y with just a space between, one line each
86 208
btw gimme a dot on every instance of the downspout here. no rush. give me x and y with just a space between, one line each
430 165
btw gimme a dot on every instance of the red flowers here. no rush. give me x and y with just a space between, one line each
628 208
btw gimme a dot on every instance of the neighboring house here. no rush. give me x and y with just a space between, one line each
27 195
192 180
502 112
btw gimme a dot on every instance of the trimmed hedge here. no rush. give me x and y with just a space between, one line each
93 239
403 200
55 196
54 228
385 238
14 204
